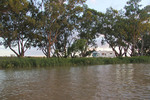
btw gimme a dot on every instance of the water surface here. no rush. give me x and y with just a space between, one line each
103 82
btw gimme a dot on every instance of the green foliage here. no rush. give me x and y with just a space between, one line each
67 29
133 8
114 31
59 62
57 22
79 46
124 30
17 25
18 6
137 24
146 44
89 25
51 25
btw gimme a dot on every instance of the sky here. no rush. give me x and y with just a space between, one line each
99 5
102 5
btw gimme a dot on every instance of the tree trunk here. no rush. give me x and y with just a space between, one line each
120 51
125 51
133 49
48 52
14 51
65 52
142 46
22 51
116 53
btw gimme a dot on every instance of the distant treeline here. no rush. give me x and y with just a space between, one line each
10 62
67 28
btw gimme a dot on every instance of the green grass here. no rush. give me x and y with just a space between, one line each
13 62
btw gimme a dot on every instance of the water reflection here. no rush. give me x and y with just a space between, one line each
104 82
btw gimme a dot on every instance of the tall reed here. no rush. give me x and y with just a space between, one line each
14 62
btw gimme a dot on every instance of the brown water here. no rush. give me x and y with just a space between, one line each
104 82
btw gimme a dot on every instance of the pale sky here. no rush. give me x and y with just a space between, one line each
99 5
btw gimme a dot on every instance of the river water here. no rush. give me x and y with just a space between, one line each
103 82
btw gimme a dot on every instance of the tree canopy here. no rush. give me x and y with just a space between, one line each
64 28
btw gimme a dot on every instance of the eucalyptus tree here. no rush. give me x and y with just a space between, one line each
114 31
78 48
4 7
146 47
145 29
17 25
68 30
89 24
145 44
63 41
55 20
133 12
124 30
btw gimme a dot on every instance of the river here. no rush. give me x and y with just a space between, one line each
102 82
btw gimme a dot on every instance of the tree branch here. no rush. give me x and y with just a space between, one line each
13 50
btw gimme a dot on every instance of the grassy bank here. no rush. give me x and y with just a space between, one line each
12 62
